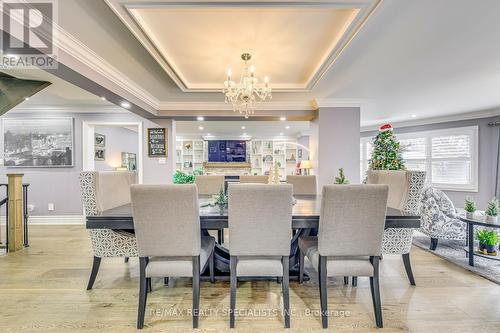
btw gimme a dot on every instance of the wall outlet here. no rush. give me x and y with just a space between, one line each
162 160
50 207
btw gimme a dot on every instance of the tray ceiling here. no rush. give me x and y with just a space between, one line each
292 43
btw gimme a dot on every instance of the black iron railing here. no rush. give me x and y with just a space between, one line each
25 215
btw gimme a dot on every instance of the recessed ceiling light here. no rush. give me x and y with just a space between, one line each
200 118
243 127
26 98
414 116
281 133
287 127
125 105
103 98
200 128
282 118
208 134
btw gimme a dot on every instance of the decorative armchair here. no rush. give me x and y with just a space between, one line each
102 191
440 220
405 189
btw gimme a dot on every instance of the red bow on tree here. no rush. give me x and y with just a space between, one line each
385 127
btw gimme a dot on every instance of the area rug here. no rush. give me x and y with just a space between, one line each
453 251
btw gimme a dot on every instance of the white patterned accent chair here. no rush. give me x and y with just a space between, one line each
405 190
101 191
440 220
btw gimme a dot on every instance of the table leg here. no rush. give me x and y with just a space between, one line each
470 240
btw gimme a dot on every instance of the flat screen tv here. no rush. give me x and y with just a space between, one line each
227 151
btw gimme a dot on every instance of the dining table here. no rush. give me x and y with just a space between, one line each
305 222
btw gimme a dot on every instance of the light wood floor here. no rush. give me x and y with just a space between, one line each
42 289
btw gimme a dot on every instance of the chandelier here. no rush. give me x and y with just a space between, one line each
249 92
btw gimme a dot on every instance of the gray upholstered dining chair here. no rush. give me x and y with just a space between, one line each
209 184
169 242
254 179
349 240
260 222
302 185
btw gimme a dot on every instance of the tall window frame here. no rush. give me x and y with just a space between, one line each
427 155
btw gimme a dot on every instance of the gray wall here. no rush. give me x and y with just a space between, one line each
488 143
60 185
334 143
118 140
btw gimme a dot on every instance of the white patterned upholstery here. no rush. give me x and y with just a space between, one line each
439 217
398 240
105 242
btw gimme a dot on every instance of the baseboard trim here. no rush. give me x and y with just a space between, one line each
52 220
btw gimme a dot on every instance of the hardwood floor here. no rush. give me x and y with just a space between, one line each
42 289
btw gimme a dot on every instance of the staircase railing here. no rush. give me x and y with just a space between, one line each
5 201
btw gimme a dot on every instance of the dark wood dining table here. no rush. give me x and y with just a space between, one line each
305 221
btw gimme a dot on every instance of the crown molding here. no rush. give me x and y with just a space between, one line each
220 106
339 102
68 109
64 41
435 120
79 51
122 9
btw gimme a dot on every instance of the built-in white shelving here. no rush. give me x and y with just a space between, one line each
262 153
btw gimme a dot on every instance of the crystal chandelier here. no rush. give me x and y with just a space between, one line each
249 92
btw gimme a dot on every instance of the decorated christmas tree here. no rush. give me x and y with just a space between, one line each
386 154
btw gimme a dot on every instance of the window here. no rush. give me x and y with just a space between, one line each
448 156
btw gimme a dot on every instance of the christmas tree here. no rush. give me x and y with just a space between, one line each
386 154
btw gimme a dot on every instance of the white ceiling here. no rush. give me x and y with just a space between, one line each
234 128
422 58
199 43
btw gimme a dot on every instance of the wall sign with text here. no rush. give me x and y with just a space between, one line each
157 142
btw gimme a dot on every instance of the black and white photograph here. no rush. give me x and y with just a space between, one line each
99 140
44 142
100 154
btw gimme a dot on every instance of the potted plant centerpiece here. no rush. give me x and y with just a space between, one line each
469 207
341 180
219 200
487 241
492 211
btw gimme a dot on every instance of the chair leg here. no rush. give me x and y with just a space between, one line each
301 266
211 266
150 288
409 272
286 292
143 294
278 280
375 291
234 284
165 281
354 281
346 280
220 236
323 294
434 243
196 290
126 259
93 274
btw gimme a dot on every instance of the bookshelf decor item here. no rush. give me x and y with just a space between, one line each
157 142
